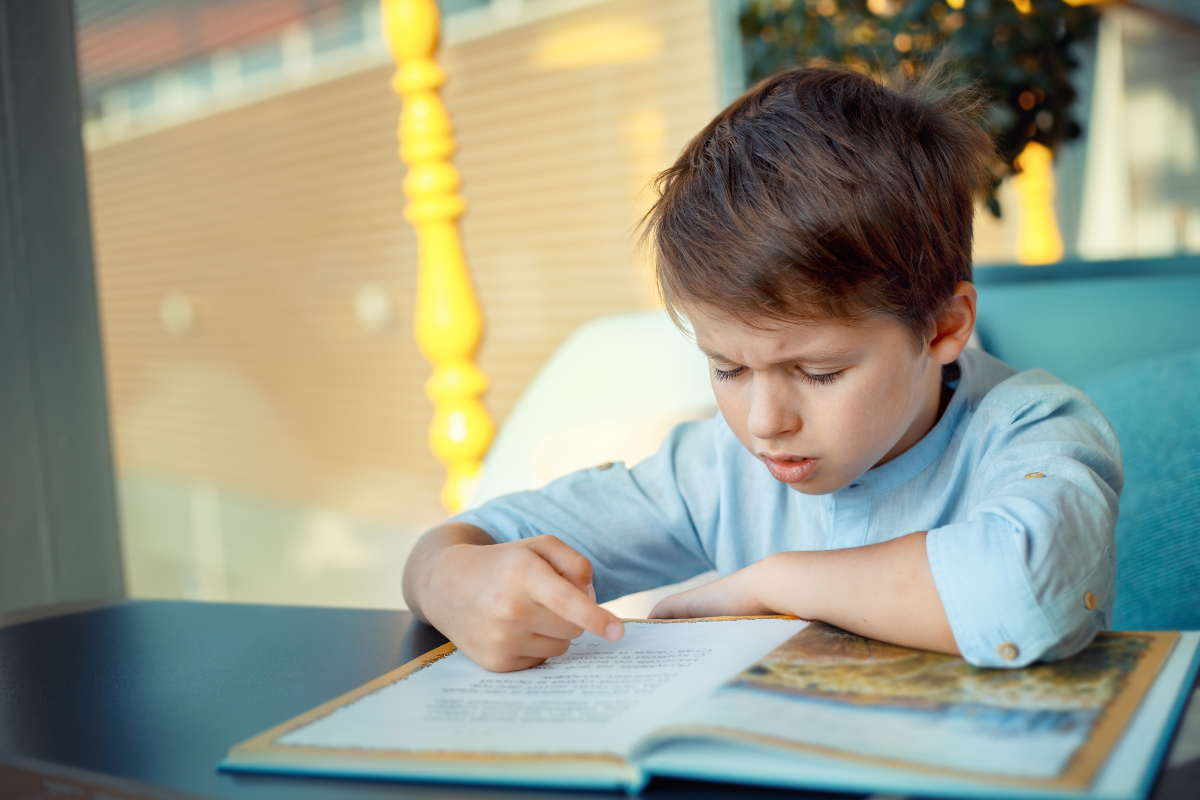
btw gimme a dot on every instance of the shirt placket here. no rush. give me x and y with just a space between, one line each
854 515
846 521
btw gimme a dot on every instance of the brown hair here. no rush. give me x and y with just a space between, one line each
823 193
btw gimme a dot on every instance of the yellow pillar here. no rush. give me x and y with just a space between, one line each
449 322
1038 238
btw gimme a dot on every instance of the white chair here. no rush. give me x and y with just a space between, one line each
610 392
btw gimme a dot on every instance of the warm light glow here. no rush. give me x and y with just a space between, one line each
1038 238
597 44
888 8
1024 6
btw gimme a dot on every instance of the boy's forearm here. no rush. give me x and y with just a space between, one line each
882 591
419 567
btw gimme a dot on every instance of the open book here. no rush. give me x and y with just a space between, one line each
772 700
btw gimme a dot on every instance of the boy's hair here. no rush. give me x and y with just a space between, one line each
822 193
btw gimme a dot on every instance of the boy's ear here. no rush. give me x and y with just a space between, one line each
954 324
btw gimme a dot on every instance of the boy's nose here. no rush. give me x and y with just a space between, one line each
772 414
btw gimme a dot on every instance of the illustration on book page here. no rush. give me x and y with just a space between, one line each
844 692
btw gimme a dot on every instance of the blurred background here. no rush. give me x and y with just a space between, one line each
257 278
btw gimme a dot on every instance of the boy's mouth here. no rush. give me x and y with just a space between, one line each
789 469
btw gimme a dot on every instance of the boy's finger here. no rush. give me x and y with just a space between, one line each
545 622
538 646
507 664
566 560
547 588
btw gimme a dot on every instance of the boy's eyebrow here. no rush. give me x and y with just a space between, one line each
816 357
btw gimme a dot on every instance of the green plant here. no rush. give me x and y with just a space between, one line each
1022 63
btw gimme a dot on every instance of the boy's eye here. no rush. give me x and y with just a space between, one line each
828 377
727 374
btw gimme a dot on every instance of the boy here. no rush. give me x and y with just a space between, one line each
866 468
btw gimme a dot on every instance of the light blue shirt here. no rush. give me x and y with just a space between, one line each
1019 562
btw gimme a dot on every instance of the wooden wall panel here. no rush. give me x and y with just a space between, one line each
269 218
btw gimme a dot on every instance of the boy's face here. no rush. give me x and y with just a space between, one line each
820 403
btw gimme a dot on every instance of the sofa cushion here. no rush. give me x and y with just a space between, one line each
1154 406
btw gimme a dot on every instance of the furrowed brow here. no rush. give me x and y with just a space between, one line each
713 354
817 358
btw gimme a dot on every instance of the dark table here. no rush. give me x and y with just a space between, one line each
141 699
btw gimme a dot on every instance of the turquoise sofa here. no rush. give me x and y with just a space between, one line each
1128 334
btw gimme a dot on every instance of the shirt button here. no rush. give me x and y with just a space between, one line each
1034 475
1008 651
1089 601
605 465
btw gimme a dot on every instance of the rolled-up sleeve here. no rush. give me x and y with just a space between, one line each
636 526
1030 573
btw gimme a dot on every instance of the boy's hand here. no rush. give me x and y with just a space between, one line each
731 596
511 606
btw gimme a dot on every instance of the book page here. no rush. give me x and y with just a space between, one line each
598 697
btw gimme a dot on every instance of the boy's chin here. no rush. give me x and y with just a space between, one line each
812 487
822 482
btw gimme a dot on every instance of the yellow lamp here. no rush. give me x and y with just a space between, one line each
1038 237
